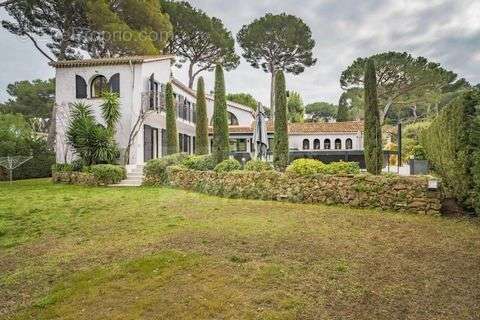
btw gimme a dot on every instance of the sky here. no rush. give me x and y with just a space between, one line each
444 31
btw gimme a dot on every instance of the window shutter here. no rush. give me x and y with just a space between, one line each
80 87
114 83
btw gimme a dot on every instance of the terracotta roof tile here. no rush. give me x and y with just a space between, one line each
108 61
305 128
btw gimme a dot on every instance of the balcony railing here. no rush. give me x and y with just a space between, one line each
153 101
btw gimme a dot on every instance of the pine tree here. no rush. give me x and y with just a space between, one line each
172 136
373 132
201 131
220 119
342 112
280 140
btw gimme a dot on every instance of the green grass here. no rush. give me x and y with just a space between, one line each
70 252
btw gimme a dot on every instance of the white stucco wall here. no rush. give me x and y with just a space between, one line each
296 140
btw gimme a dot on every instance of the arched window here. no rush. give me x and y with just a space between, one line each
338 144
348 144
99 85
326 144
114 83
80 87
232 119
306 144
316 144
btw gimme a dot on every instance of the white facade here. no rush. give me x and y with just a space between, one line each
135 86
327 141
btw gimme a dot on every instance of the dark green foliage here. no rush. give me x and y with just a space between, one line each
277 42
228 165
200 163
198 39
342 112
221 145
155 170
321 111
33 99
452 145
18 139
373 132
295 108
107 174
171 119
201 130
404 81
280 141
258 166
91 141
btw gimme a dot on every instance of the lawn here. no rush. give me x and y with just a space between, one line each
70 252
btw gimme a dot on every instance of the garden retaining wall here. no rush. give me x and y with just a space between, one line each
386 192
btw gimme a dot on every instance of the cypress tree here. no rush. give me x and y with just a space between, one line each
373 132
172 136
280 139
342 112
220 119
201 131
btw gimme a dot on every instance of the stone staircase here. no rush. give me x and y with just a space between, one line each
134 177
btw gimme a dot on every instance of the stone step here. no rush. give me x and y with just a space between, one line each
135 175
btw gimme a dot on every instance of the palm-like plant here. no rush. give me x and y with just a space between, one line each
93 142
111 109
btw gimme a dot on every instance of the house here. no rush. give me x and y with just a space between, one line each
140 82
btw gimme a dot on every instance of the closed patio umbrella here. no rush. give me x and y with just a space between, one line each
260 139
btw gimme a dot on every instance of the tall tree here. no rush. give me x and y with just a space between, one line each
33 99
171 119
295 107
277 42
220 121
201 130
100 27
373 132
402 79
280 138
200 40
342 112
321 111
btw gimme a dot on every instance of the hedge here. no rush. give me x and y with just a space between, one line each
308 167
156 170
452 145
96 175
364 190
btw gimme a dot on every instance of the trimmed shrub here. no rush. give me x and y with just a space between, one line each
62 167
373 131
200 163
341 167
171 121
452 145
106 174
228 165
258 166
156 170
309 167
221 146
280 138
201 130
306 167
78 164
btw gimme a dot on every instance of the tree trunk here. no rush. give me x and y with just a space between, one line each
191 76
385 111
272 93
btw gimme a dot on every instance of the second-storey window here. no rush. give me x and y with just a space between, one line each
99 85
